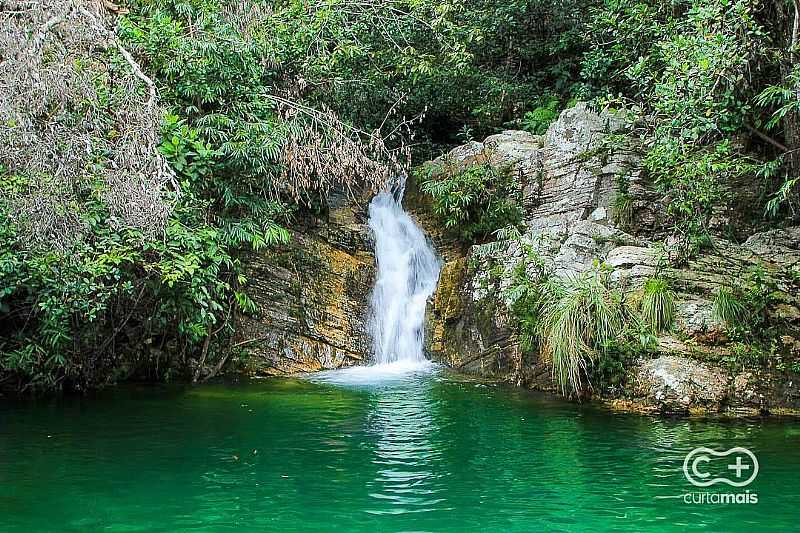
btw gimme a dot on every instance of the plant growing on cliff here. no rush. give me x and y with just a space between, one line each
474 202
542 115
580 318
729 306
716 82
575 322
657 305
744 306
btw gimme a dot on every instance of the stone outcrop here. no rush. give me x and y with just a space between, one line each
568 188
674 384
571 180
677 384
312 297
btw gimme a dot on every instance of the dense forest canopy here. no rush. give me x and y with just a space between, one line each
145 143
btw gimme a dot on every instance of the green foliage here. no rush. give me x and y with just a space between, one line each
214 80
584 327
622 206
474 63
539 119
475 202
609 371
782 99
729 307
657 305
744 306
622 209
466 63
579 318
702 73
248 85
121 304
577 323
95 313
692 179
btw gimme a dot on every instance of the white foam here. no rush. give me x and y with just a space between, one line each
408 271
375 374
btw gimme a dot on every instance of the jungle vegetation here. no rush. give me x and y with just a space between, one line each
146 144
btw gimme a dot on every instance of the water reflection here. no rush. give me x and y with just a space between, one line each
402 431
408 478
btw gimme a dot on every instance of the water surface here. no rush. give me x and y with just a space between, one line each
421 451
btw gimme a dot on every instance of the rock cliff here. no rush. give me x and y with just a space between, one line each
312 297
586 202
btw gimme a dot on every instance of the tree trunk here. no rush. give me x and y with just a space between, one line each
791 122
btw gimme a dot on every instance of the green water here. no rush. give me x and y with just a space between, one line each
424 453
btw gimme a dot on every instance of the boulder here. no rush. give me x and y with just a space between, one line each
679 384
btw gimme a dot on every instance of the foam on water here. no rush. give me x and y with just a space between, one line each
378 374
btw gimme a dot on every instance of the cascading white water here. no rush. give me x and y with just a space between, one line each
408 271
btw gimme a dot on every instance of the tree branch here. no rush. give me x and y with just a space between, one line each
135 68
766 138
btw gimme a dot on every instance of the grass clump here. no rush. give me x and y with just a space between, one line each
657 306
622 209
580 318
730 307
573 321
744 307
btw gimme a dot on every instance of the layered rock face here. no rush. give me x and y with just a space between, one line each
312 298
571 180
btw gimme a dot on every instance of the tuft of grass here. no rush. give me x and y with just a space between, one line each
730 307
622 209
579 317
657 305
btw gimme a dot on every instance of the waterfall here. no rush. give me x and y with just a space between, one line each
408 271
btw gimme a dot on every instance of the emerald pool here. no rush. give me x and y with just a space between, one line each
419 452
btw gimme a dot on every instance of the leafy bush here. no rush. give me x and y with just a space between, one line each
539 119
693 179
689 67
609 371
475 202
115 304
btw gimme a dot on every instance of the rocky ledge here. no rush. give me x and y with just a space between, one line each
570 181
